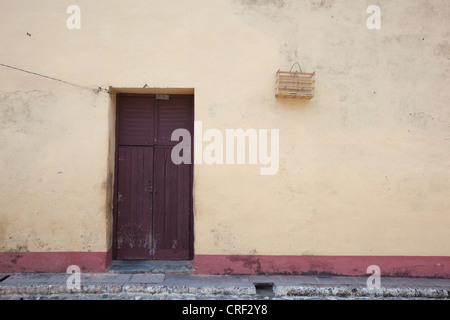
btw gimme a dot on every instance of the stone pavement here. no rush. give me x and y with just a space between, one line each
194 286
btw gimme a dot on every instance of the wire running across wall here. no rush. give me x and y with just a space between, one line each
96 90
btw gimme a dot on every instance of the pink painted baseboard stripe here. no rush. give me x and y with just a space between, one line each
54 261
410 266
401 266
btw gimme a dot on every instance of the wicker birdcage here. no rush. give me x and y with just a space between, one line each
295 84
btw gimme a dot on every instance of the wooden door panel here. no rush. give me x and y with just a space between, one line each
171 207
134 203
172 114
136 121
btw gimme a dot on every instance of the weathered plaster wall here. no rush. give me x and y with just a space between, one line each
364 166
53 169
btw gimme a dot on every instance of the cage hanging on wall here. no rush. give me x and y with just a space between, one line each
295 84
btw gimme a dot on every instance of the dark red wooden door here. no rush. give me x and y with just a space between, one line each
171 206
153 197
134 203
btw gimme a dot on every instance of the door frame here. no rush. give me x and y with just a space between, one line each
116 160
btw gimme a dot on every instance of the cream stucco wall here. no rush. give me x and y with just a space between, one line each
364 166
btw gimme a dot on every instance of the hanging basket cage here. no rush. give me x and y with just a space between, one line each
295 84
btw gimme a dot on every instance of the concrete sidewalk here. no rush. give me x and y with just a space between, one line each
236 286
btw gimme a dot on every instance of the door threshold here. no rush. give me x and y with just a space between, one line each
151 266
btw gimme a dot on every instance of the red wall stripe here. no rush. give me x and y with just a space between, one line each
54 261
401 266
